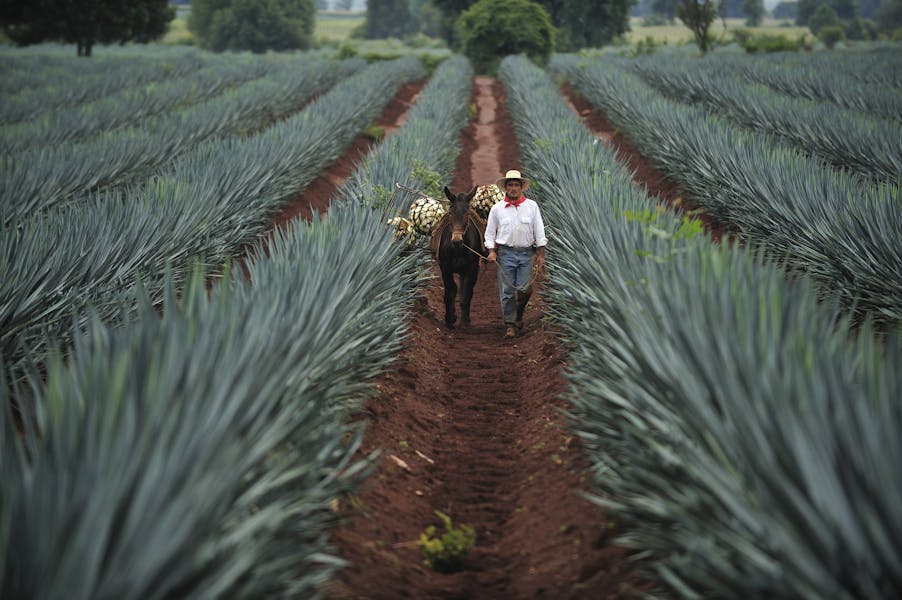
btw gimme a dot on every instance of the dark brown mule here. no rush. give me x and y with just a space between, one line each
457 245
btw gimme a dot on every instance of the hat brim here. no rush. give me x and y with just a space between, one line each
503 182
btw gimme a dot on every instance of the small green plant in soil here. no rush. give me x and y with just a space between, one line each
447 553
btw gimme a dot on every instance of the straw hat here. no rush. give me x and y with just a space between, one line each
512 174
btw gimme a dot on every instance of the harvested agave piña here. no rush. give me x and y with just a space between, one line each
403 229
425 213
486 196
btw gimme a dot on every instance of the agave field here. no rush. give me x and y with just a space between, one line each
176 426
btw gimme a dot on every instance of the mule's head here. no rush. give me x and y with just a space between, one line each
458 213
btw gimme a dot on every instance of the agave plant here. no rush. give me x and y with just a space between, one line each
719 401
829 224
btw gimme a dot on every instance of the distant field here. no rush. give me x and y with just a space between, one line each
336 25
678 33
178 31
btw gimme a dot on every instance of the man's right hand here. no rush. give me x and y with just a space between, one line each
492 256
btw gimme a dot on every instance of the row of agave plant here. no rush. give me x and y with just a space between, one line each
868 65
857 81
43 178
35 80
196 450
864 144
840 230
200 208
133 104
744 436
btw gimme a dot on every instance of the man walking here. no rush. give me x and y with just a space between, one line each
515 239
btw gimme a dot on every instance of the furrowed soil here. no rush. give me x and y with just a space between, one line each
472 424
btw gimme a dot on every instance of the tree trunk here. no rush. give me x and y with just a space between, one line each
83 47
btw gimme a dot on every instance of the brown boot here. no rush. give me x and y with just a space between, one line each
511 332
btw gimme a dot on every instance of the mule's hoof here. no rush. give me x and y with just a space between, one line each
511 332
465 322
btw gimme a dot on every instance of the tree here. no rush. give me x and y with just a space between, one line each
889 16
580 23
492 29
450 11
642 8
698 15
85 23
386 18
424 17
753 11
587 23
731 9
256 25
861 29
786 10
824 16
845 9
868 8
666 8
804 10
830 35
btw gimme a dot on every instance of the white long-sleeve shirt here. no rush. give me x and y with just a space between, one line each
518 226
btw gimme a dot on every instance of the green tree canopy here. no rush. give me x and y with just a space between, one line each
786 10
425 18
450 11
731 9
85 23
587 23
804 10
868 8
386 18
698 15
753 11
844 9
889 16
492 29
666 8
256 25
824 16
580 23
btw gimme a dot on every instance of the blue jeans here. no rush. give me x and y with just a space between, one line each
514 273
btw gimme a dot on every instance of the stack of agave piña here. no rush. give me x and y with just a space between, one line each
425 213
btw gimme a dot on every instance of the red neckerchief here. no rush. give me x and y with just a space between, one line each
514 203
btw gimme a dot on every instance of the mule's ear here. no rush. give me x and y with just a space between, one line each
471 193
449 195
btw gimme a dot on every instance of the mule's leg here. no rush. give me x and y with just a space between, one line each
467 284
450 293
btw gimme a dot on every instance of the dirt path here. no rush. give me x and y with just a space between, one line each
470 424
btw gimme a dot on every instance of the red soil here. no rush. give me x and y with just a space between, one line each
472 424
